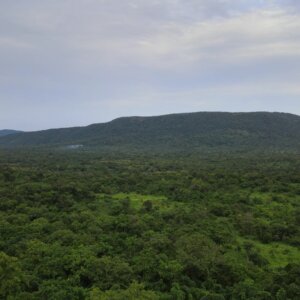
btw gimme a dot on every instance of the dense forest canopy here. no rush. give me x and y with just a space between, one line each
86 225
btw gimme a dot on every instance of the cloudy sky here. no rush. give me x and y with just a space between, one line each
76 62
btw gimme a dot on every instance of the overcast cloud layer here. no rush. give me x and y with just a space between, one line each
76 62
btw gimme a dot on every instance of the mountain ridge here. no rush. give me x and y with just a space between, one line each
182 131
5 132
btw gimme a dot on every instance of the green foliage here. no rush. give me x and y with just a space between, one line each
11 277
134 292
94 226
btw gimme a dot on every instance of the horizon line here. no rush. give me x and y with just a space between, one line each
153 116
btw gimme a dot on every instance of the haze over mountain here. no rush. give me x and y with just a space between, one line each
5 132
188 131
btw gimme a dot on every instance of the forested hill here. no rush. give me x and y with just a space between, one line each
188 131
5 132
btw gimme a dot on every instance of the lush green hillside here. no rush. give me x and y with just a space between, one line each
191 131
6 132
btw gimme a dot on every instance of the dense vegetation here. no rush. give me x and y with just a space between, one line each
185 132
80 225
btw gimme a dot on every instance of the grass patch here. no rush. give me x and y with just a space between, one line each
277 254
273 206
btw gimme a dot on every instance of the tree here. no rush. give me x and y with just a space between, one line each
11 277
198 253
135 291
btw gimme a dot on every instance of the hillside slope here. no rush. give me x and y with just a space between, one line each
175 132
5 132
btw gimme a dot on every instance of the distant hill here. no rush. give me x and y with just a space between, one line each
5 132
175 132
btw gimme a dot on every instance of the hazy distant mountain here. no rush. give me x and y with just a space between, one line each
189 131
5 132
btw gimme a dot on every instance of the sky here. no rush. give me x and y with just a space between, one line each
76 62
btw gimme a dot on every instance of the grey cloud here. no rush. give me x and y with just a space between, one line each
68 62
